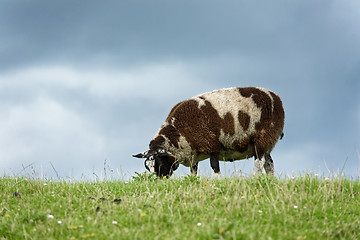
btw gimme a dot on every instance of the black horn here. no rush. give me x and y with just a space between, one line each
141 155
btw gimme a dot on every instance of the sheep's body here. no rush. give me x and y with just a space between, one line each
227 124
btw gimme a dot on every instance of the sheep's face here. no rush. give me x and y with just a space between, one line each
159 162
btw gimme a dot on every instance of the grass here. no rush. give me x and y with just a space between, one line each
304 207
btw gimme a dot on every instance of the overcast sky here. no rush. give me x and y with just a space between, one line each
84 81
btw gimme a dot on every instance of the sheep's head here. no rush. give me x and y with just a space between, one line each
159 161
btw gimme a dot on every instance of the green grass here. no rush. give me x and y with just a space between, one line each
304 207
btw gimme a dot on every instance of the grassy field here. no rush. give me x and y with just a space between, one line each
304 207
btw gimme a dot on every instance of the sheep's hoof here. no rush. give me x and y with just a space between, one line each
217 175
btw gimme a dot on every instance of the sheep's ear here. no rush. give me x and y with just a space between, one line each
141 155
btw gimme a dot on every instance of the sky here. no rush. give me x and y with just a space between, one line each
86 84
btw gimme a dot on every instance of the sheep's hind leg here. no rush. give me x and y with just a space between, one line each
194 169
269 165
259 165
214 162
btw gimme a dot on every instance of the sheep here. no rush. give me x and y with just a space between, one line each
227 124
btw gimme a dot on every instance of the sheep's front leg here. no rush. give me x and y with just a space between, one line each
259 165
214 162
194 168
269 165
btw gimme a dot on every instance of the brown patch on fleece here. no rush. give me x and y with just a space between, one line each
171 114
157 142
244 120
172 134
228 124
200 127
278 114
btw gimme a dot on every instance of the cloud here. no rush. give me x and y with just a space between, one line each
120 33
322 157
107 74
44 130
149 81
76 118
302 157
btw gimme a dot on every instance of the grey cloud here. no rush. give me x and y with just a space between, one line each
124 32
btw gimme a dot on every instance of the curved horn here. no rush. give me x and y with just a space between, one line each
141 155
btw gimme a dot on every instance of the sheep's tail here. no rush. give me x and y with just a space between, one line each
282 135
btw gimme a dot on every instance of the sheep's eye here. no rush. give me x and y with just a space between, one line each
151 158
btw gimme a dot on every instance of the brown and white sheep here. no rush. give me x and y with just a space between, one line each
228 124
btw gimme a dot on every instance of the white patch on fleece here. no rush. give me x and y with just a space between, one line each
229 100
200 101
184 154
166 143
